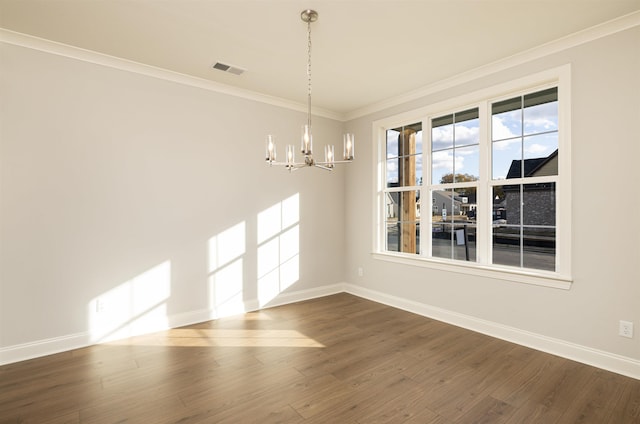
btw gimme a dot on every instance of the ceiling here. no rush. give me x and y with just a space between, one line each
364 52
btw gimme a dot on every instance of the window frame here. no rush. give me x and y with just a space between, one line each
561 278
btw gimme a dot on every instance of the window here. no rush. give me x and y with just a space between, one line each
455 170
402 194
485 189
524 146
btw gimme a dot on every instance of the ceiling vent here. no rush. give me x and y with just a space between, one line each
232 69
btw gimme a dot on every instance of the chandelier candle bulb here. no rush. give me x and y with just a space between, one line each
328 155
307 140
271 149
291 158
349 146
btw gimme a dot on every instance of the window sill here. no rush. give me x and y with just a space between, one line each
543 279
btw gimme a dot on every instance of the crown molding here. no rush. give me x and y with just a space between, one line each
590 34
89 56
593 33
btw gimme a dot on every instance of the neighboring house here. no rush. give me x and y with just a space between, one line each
392 204
542 194
453 202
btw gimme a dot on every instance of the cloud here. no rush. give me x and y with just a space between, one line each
467 135
442 160
501 130
535 149
541 118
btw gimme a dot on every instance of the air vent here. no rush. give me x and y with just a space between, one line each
232 69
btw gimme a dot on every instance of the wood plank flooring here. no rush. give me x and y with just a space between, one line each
338 359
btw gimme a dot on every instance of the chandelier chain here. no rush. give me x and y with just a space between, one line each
309 72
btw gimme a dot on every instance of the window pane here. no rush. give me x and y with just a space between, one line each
441 244
392 206
506 159
392 237
404 156
442 204
441 165
506 245
464 242
404 171
402 214
467 163
392 143
467 128
442 133
453 231
541 111
539 204
409 174
392 173
452 206
403 237
541 155
506 119
539 248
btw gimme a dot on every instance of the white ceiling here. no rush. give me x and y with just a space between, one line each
363 51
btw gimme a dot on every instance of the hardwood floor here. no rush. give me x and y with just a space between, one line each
338 359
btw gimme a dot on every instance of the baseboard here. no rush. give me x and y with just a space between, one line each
39 348
300 295
586 355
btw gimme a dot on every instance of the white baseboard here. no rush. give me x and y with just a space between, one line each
601 359
39 348
299 296
586 355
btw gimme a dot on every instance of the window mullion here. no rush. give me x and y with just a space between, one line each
485 203
425 192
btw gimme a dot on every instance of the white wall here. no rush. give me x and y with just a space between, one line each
606 226
113 185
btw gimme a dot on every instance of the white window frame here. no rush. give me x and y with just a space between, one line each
562 277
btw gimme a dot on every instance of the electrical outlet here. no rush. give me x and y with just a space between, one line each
360 272
626 329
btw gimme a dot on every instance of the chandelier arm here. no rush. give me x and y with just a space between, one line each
337 161
296 164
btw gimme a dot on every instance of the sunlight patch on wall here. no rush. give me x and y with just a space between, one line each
278 248
135 307
226 271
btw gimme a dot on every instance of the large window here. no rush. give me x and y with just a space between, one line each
485 187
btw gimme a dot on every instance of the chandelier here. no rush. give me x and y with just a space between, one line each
306 142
